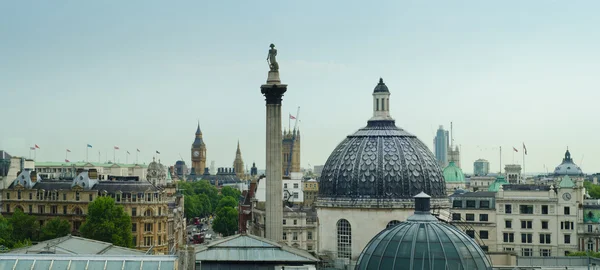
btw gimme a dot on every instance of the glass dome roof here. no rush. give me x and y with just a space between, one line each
422 242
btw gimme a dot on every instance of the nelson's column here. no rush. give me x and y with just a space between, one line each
273 91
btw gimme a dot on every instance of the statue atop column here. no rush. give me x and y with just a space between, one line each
273 65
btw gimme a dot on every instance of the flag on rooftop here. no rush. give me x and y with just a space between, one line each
66 160
89 145
524 149
515 149
116 148
157 152
138 149
32 148
36 146
68 150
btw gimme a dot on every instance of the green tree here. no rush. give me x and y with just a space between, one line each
24 226
226 222
54 228
227 202
202 187
192 206
231 192
107 222
593 190
6 232
206 205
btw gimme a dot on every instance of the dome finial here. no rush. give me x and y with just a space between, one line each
381 80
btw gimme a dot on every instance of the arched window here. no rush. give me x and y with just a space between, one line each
344 239
392 224
20 208
77 211
148 213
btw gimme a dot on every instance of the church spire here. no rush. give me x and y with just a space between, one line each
238 149
198 131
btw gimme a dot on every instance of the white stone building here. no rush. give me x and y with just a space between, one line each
539 220
56 170
291 188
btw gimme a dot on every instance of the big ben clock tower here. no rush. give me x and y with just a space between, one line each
198 152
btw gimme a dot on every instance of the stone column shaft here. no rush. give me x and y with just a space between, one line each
274 195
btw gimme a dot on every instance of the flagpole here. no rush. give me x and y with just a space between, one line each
500 159
86 154
29 152
136 156
114 155
523 157
35 154
127 158
66 155
98 156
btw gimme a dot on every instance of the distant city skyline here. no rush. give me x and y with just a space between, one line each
141 74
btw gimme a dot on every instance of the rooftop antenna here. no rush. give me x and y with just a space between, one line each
451 136
581 161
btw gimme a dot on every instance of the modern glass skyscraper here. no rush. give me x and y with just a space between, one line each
481 167
441 144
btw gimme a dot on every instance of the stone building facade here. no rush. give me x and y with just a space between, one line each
310 188
148 205
290 150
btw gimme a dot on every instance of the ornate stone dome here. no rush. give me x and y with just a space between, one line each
422 242
453 174
567 167
380 162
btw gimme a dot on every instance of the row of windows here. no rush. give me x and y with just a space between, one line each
528 209
147 213
285 185
528 224
48 195
54 195
469 217
527 238
41 209
471 204
309 236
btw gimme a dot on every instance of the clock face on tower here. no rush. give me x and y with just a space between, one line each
196 154
566 196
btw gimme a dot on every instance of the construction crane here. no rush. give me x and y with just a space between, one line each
289 159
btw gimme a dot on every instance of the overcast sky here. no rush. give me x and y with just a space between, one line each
140 74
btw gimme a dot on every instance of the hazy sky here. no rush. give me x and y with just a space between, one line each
140 74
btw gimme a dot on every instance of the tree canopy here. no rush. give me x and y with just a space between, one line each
231 192
107 222
24 226
227 202
54 228
593 190
226 222
201 198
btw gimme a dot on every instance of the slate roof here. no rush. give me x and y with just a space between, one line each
250 248
76 245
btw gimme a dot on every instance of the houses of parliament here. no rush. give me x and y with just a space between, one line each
290 155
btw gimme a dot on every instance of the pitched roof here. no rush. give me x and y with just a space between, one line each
566 182
250 248
76 245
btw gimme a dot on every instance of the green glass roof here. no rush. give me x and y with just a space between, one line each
453 173
566 182
500 180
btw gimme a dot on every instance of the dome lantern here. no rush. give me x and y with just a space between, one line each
381 102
